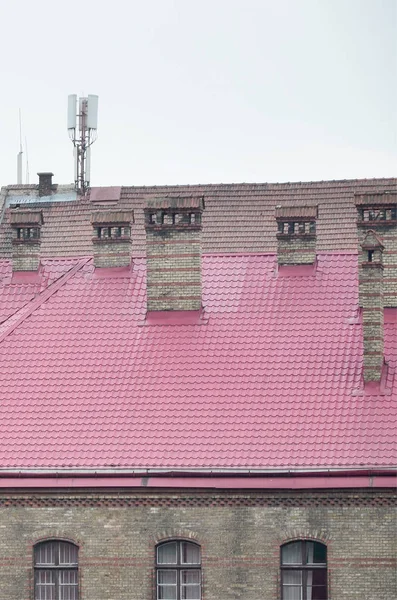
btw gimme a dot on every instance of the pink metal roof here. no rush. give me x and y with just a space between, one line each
268 376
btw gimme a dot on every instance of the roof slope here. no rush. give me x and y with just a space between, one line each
269 376
237 217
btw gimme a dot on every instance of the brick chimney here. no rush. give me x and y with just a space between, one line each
173 243
296 235
26 239
379 213
371 301
45 184
112 238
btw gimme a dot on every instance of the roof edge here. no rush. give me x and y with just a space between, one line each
70 484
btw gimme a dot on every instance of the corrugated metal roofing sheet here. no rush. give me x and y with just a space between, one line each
271 377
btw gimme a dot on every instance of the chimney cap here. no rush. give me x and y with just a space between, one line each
26 217
112 217
45 174
375 199
176 203
372 241
296 212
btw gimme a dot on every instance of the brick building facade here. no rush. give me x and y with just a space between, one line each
198 392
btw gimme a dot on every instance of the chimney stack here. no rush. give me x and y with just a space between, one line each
26 227
112 238
296 235
173 243
371 301
45 184
379 213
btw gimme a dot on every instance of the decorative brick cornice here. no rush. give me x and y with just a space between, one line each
345 500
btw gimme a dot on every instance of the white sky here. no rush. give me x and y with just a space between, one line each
203 91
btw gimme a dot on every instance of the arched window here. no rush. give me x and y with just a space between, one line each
56 571
178 571
304 571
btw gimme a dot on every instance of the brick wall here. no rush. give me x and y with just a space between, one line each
240 536
173 250
371 283
25 255
296 249
379 212
112 238
296 237
112 253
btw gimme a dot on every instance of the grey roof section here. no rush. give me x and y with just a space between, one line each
28 199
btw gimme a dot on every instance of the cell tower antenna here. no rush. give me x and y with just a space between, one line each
82 128
19 156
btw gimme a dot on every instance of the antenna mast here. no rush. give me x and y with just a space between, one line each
19 156
82 128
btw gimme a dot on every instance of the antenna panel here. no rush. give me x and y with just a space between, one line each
76 163
88 166
72 101
92 117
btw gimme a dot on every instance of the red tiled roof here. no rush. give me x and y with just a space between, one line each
237 217
269 376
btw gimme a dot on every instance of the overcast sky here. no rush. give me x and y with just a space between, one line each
203 91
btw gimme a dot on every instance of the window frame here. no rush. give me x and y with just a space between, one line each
303 567
56 568
178 567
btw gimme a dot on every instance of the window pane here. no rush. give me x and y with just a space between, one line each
292 593
45 554
190 585
166 592
291 554
316 593
166 585
190 554
316 553
319 577
67 554
190 592
45 585
292 577
166 554
190 576
166 577
68 585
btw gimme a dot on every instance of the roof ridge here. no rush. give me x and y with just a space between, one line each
314 182
14 320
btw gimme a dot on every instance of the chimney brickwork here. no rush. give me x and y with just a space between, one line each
371 301
46 186
26 239
378 212
112 238
173 242
296 235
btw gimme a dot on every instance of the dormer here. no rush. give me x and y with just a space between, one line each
296 234
26 239
112 238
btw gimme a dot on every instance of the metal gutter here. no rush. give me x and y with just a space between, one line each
197 471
